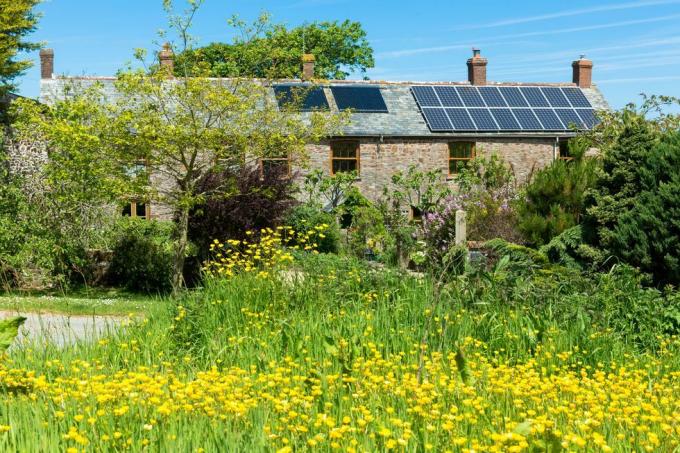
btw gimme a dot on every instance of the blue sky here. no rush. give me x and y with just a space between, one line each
635 45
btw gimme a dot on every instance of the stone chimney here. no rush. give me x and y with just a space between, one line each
46 63
167 59
477 68
308 61
583 72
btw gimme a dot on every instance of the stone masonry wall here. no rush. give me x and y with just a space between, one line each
379 161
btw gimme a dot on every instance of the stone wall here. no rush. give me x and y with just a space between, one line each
380 160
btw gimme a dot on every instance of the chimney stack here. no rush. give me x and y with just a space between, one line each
477 68
167 59
583 72
46 63
308 61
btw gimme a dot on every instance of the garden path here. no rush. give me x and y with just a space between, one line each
62 329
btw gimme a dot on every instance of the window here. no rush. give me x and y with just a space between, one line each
564 151
344 157
137 209
460 155
275 166
416 214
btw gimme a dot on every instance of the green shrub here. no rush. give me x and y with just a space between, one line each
553 201
142 256
304 217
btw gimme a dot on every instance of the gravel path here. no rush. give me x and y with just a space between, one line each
62 329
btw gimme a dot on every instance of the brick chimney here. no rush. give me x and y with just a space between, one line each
46 63
167 59
477 68
583 72
308 61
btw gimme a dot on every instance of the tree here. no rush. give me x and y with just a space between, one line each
16 21
267 50
553 201
160 135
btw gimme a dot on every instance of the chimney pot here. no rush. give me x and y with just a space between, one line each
167 59
308 62
582 72
46 63
477 68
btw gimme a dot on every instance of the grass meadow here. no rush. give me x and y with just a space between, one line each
335 355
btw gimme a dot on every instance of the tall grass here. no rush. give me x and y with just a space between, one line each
324 355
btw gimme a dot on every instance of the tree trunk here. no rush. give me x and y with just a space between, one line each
180 250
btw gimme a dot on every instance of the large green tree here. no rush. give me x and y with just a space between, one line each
16 21
160 135
268 50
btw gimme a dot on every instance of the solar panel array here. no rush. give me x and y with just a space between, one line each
359 99
305 98
448 108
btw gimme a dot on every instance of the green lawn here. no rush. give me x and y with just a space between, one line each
81 302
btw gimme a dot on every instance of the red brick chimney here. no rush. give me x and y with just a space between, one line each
167 58
308 61
46 63
583 72
477 68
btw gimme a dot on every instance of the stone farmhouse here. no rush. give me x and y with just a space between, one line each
432 125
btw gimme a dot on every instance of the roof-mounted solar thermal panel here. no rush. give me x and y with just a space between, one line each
360 99
492 97
305 98
460 119
436 119
505 119
570 118
555 96
470 96
549 120
425 96
483 119
513 96
588 117
534 96
448 96
527 119
576 97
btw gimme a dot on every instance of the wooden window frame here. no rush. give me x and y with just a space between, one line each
357 148
133 210
563 144
473 154
262 160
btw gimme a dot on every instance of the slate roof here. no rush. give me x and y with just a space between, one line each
403 120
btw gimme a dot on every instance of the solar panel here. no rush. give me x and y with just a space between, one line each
455 108
549 120
301 97
492 97
361 99
569 118
448 96
425 96
513 97
555 96
588 117
534 96
470 96
436 119
460 118
576 97
483 119
527 119
505 119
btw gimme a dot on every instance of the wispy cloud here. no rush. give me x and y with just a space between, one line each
573 12
639 79
436 49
